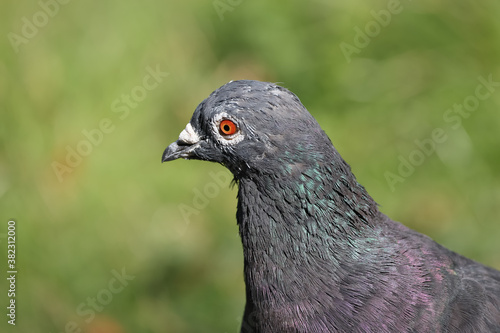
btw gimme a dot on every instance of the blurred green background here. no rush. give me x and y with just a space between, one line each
76 68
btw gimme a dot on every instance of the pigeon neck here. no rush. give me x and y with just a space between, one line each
296 226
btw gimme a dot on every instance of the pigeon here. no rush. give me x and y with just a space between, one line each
319 256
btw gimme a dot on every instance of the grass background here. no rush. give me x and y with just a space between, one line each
120 207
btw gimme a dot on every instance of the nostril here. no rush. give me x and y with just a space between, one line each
183 143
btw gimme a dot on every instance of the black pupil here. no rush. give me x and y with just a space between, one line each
227 128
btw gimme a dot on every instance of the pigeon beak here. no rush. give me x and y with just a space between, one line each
182 148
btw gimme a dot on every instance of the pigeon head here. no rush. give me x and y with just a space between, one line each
252 126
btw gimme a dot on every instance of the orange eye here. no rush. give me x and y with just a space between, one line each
227 127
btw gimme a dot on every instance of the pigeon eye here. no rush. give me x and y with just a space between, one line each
227 127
